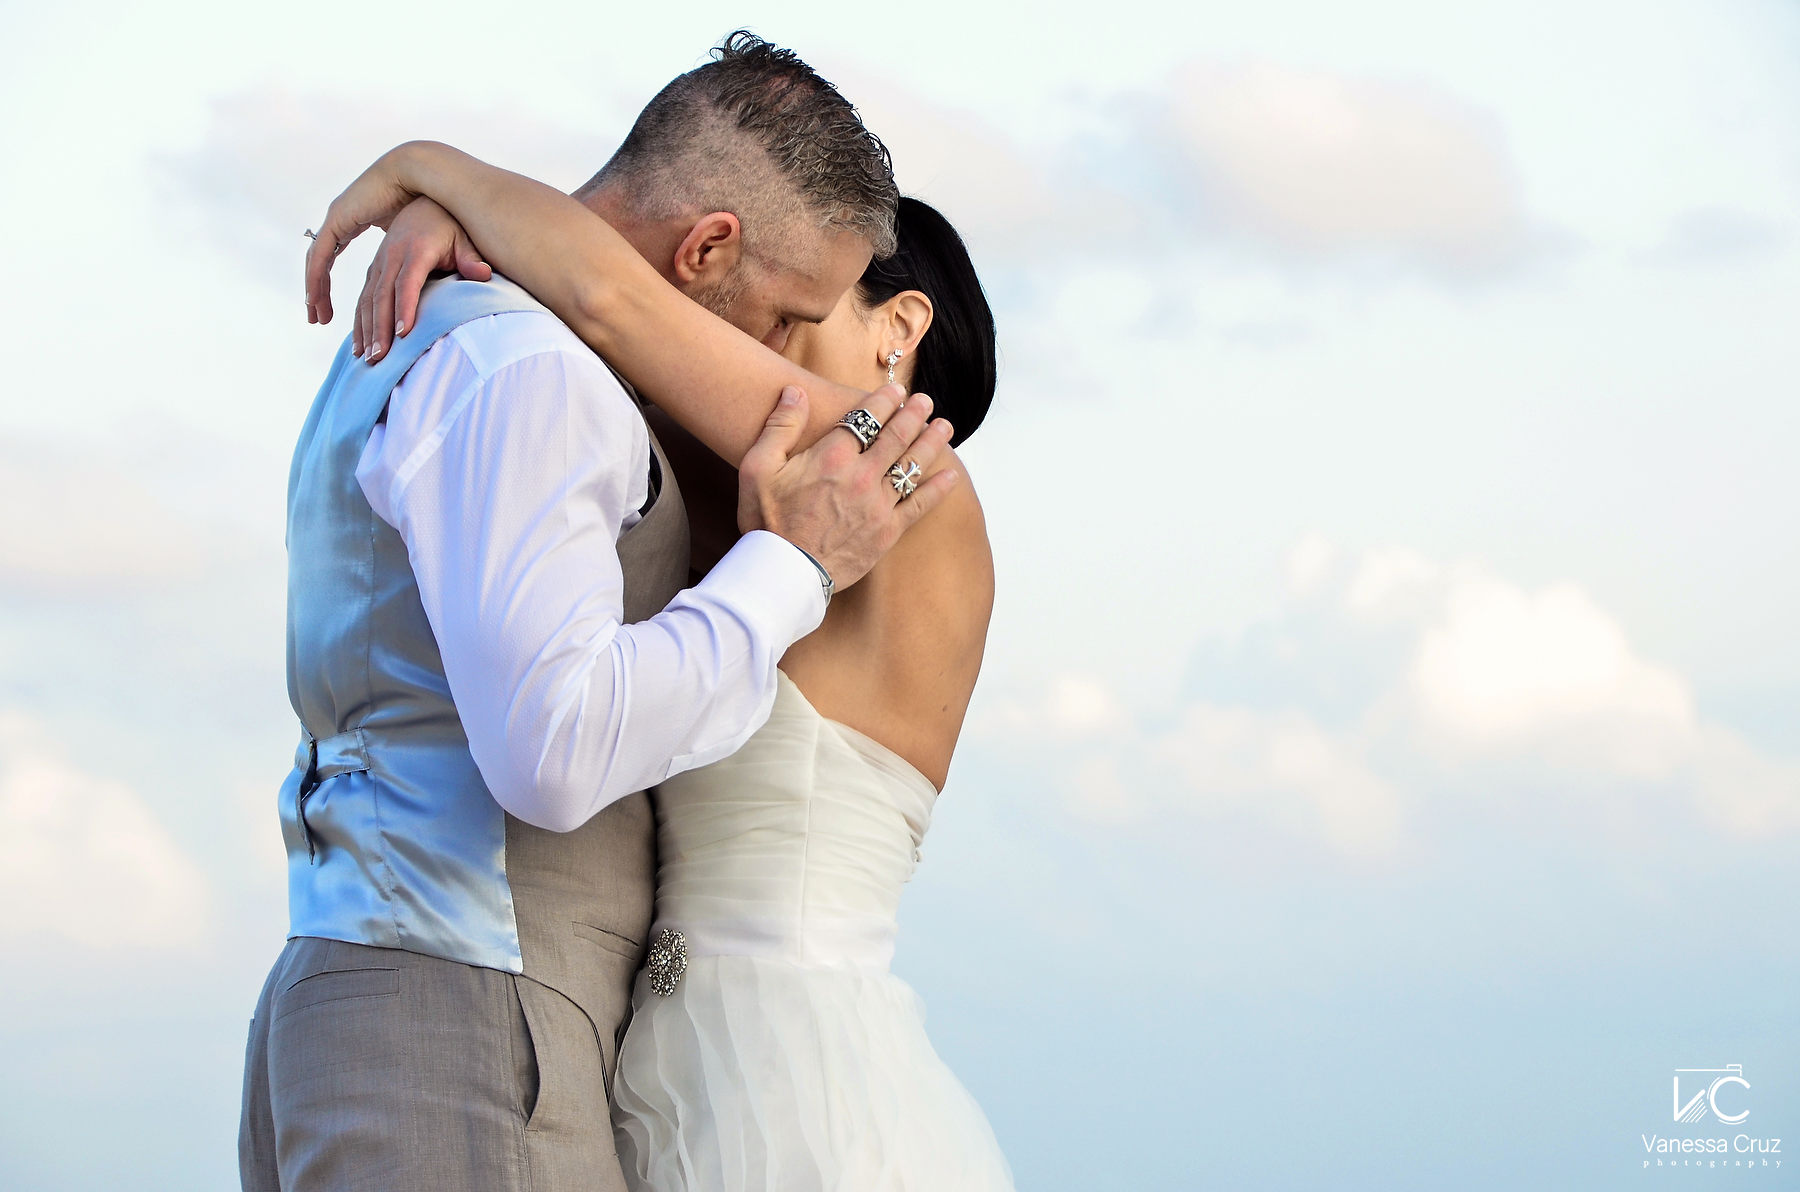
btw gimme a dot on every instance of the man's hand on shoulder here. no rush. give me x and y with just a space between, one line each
835 500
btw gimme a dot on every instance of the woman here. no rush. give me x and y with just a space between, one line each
770 1047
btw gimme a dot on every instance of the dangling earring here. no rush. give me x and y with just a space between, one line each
893 358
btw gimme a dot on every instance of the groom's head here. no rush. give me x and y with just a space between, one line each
751 183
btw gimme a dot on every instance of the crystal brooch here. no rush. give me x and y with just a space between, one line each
667 962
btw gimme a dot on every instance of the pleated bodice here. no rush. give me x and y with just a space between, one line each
796 847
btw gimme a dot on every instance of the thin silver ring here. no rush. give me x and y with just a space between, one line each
311 235
864 425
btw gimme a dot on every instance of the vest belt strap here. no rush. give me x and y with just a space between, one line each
322 758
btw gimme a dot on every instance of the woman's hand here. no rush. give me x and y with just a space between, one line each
421 239
431 240
372 200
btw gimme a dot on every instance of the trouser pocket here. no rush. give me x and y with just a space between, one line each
336 985
565 1089
394 1069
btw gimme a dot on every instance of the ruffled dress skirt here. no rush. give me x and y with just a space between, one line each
758 1075
789 1058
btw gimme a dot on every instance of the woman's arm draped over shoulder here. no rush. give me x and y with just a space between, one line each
713 379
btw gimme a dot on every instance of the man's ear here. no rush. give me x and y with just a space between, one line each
710 250
908 317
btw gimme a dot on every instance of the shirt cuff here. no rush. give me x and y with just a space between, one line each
771 583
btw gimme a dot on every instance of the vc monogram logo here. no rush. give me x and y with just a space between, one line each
1708 1097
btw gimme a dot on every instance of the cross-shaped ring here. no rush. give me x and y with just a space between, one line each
905 478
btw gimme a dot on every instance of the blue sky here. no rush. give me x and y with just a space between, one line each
1386 768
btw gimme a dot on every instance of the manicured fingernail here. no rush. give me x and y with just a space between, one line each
400 327
790 396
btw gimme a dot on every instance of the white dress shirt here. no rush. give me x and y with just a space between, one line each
510 462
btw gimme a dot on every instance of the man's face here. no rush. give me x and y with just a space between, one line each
767 299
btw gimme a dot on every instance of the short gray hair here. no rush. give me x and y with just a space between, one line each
758 133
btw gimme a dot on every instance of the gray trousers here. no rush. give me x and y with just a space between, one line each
373 1068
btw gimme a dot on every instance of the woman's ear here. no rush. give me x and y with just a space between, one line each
710 250
908 318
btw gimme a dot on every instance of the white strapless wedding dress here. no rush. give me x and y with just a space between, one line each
788 1058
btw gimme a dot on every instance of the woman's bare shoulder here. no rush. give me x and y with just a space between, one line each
957 529
899 656
945 563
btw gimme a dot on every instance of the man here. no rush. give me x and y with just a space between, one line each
492 657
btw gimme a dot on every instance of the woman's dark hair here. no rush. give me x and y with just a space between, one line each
954 362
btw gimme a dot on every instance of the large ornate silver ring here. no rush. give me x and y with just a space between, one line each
864 425
667 962
904 476
311 235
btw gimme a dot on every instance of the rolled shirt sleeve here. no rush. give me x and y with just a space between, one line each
510 462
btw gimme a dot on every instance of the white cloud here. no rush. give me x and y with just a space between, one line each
1083 706
1099 793
1742 790
1070 707
82 858
1500 674
79 517
1393 679
1713 235
1501 670
1390 583
1308 562
1296 165
1324 164
1016 204
271 160
1213 761
1289 767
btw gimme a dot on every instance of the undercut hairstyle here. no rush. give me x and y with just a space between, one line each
758 133
956 360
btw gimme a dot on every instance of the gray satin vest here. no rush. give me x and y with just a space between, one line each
392 837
